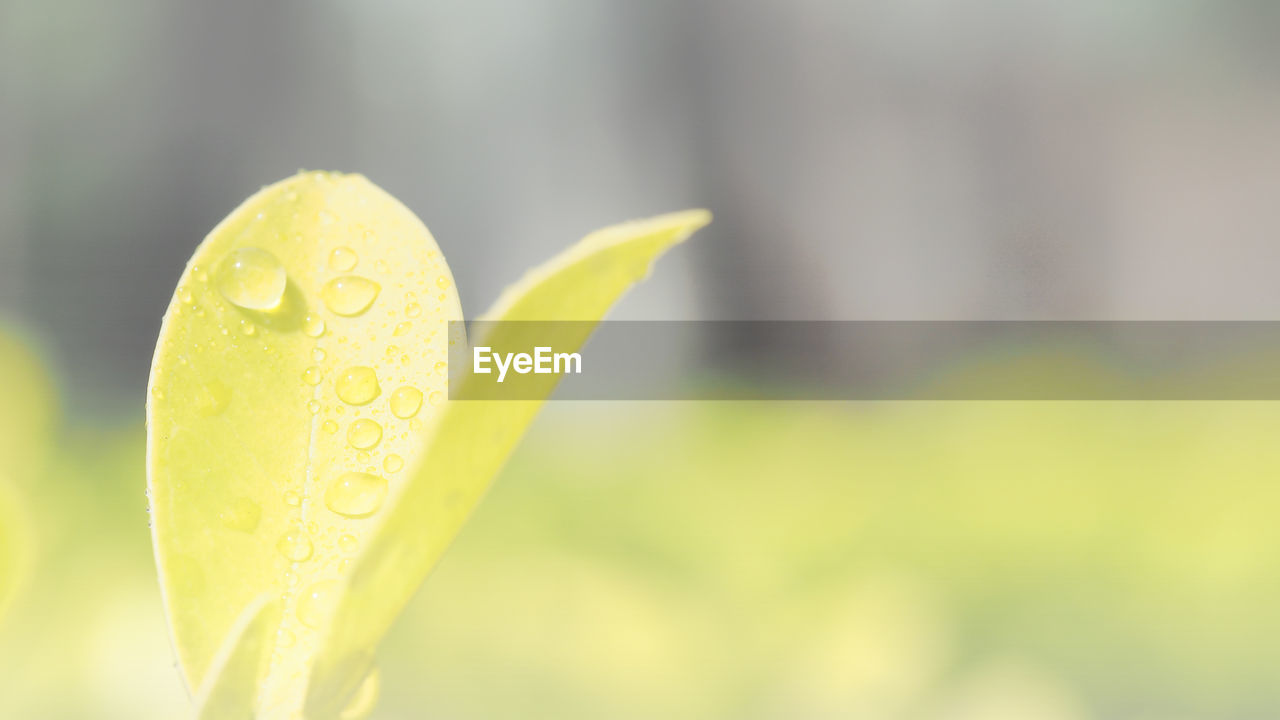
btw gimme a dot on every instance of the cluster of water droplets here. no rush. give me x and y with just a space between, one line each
374 411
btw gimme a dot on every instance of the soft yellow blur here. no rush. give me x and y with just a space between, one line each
921 561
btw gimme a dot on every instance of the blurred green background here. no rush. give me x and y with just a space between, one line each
865 159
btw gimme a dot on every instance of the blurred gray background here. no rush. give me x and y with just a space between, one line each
867 159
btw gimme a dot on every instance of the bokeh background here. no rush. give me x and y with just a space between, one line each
865 159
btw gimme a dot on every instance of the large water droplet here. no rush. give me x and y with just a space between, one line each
312 375
364 434
357 385
243 514
317 603
251 278
343 259
356 494
405 401
295 546
349 295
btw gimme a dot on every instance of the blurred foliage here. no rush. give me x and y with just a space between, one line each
900 560
25 420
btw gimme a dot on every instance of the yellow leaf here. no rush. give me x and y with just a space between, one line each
296 425
285 375
231 687
472 439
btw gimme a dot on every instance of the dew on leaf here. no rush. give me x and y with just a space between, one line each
357 385
349 295
295 546
251 278
312 326
364 434
392 463
356 494
343 259
405 401
317 603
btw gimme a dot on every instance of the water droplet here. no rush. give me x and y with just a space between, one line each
402 329
363 456
413 310
343 259
442 282
248 328
313 407
381 266
185 296
349 295
317 355
292 498
441 367
329 426
405 401
312 326
312 375
436 397
347 543
213 398
318 603
357 385
392 463
243 514
356 494
157 393
364 434
295 546
251 278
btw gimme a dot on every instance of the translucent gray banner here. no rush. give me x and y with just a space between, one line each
868 360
